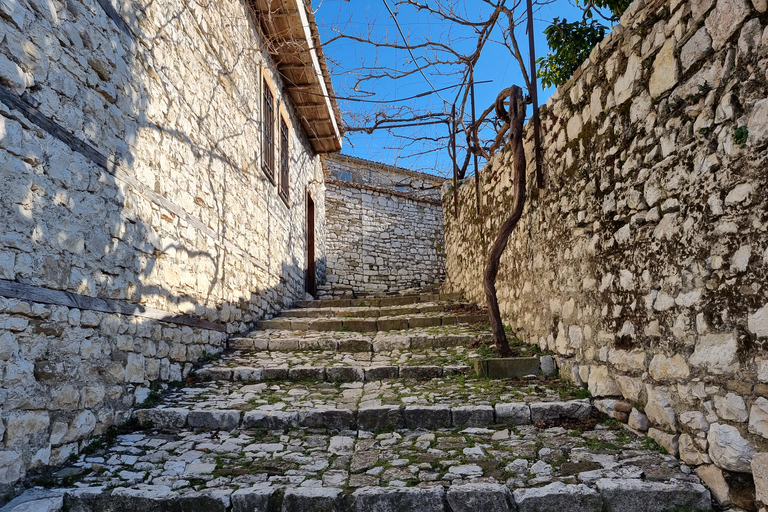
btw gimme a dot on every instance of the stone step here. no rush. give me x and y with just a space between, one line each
368 418
616 494
397 300
360 324
345 341
375 312
442 470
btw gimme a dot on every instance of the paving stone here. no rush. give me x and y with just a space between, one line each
558 496
472 416
642 496
379 418
420 372
475 497
309 499
426 416
270 420
547 411
161 418
513 414
333 419
355 345
217 420
345 374
397 500
382 372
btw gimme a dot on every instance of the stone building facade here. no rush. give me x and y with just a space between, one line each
384 228
161 188
644 262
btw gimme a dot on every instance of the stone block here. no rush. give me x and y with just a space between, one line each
548 411
716 353
240 344
284 344
344 374
306 373
427 416
270 420
424 321
713 477
247 374
724 20
507 368
731 407
643 496
214 419
388 499
381 372
355 345
558 496
547 365
276 373
658 408
385 417
388 342
728 449
11 467
452 340
420 372
759 468
472 416
689 452
476 497
36 500
360 324
326 324
696 48
669 442
331 419
311 499
391 324
600 383
275 323
638 421
758 417
299 324
665 72
162 418
513 414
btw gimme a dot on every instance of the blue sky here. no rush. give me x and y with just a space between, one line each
363 18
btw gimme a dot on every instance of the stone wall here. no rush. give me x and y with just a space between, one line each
644 262
380 240
375 174
137 226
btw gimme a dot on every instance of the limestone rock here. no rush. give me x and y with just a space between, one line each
558 496
631 388
11 468
480 496
728 449
601 383
758 417
669 442
309 499
696 47
666 72
713 477
629 494
760 475
659 409
716 353
690 454
694 420
731 407
513 414
390 499
638 421
725 19
664 368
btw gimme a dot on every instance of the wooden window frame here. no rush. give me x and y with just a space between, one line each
284 180
268 132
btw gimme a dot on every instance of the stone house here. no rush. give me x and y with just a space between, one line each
162 188
384 228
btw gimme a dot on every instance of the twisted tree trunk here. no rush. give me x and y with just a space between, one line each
516 117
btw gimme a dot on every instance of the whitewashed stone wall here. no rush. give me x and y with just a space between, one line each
381 240
130 175
644 263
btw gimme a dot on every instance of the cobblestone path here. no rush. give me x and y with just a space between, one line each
369 405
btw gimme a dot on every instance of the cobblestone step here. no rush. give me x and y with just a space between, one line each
373 312
397 300
345 341
444 470
362 324
369 417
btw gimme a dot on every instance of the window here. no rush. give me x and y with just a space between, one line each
268 137
285 185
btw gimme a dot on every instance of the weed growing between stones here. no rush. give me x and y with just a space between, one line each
153 399
650 444
740 136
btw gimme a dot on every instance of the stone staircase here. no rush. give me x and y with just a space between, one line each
369 405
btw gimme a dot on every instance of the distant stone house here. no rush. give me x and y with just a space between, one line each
384 228
161 188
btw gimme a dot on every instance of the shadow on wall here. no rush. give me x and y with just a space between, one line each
125 190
